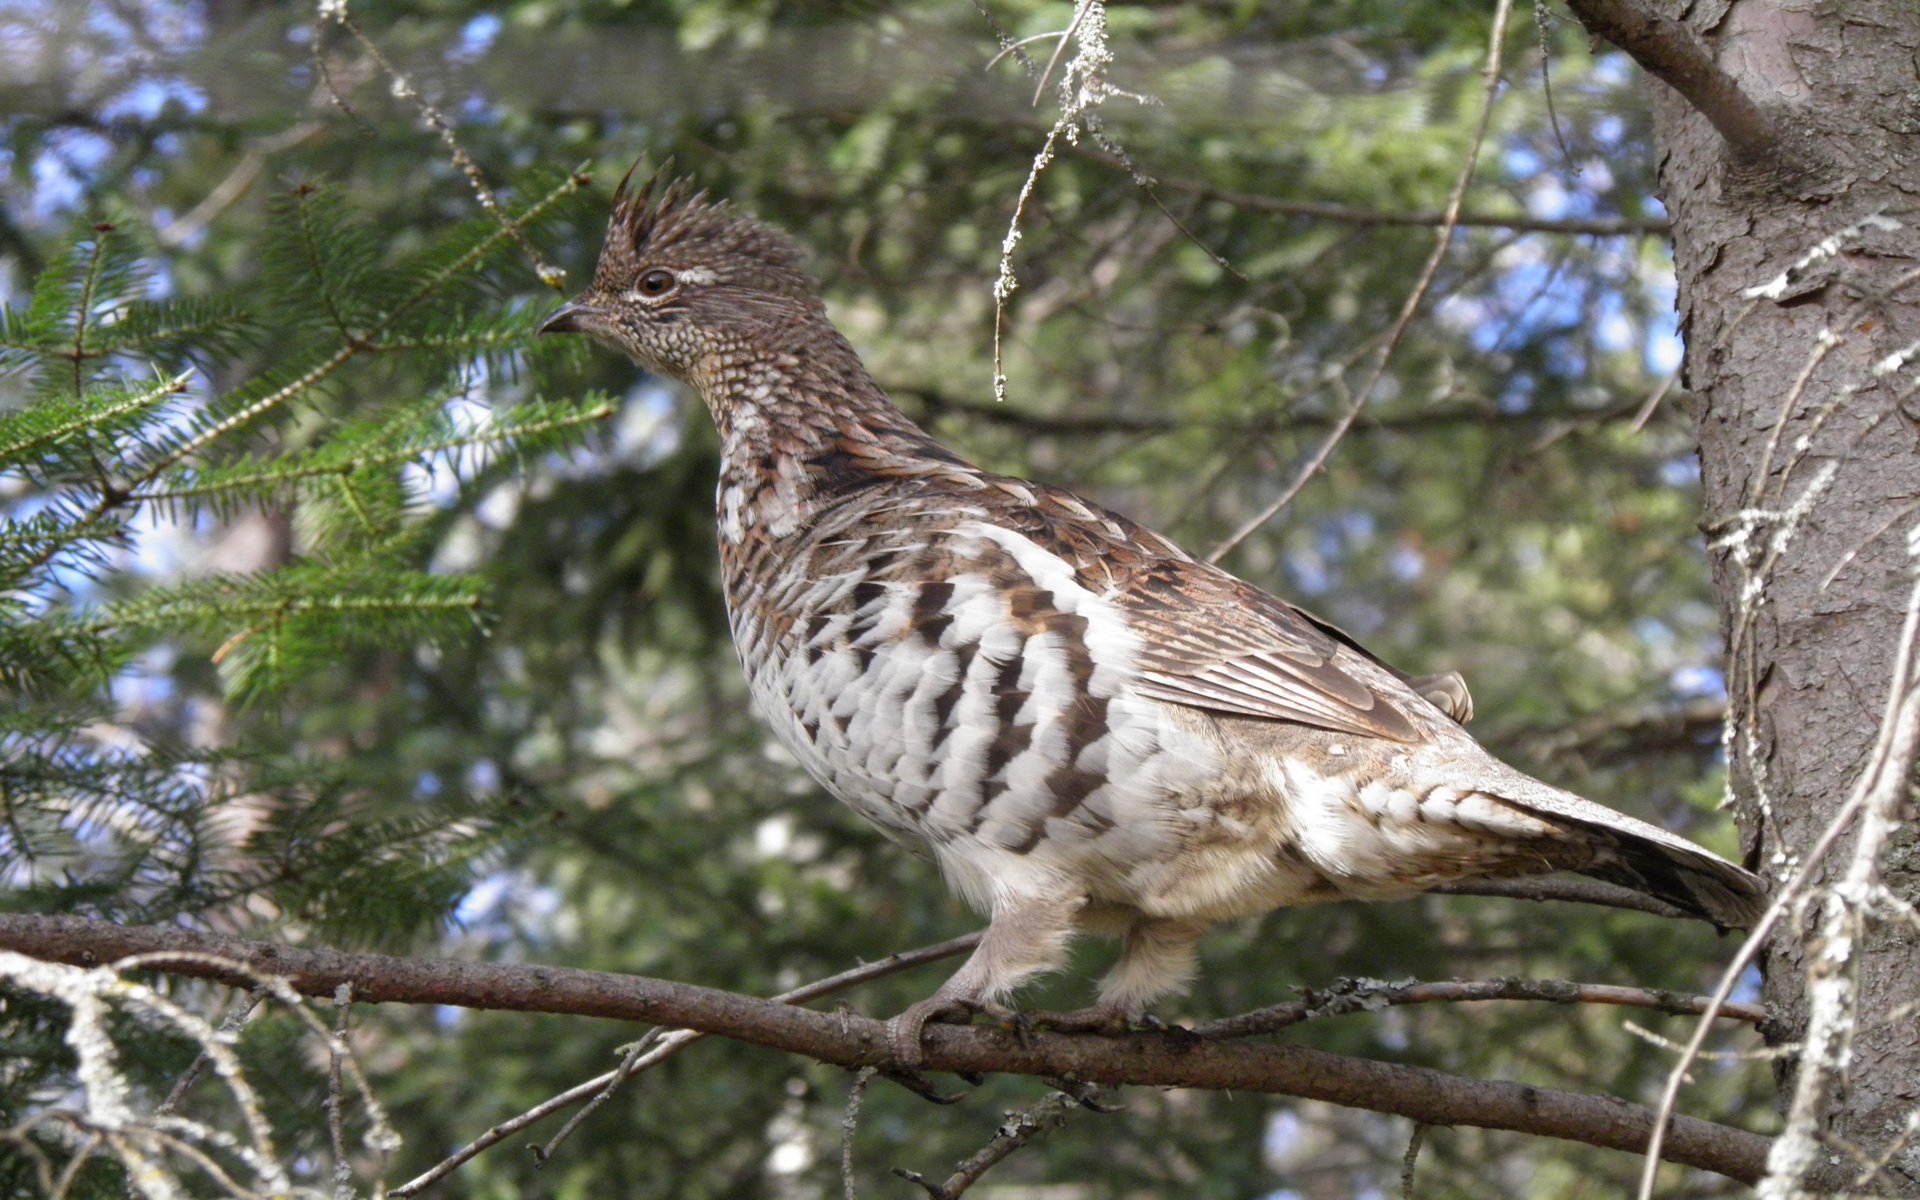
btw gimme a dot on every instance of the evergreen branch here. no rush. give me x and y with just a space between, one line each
10 450
464 341
84 308
233 421
134 332
343 484
213 484
363 343
142 613
508 228
1153 1059
317 262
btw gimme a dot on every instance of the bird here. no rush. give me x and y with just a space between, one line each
1086 728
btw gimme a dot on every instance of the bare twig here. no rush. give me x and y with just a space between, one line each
233 1024
1347 214
1758 1054
1668 51
1610 736
849 1124
1018 1130
1411 1157
1496 41
1738 534
664 1046
1083 89
1368 995
181 229
404 88
844 1039
1067 35
336 1107
1440 416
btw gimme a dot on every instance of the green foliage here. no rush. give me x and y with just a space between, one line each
329 401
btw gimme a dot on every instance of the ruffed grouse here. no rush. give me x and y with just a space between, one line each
1086 727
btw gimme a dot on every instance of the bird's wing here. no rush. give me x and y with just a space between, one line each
1215 642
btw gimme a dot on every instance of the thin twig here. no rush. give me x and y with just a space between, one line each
1080 12
1489 93
1018 1130
1832 964
336 1108
629 1066
1543 25
233 1024
1412 1156
182 229
849 1125
1367 995
1347 214
1757 558
1083 89
1758 1054
668 1044
404 88
1090 121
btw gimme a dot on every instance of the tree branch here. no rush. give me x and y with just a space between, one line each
1669 52
1479 416
1347 214
1612 736
1368 995
668 1044
1014 1133
1153 1059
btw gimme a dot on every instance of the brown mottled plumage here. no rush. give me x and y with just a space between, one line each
1083 725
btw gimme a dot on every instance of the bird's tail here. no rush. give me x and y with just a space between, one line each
1694 880
1610 846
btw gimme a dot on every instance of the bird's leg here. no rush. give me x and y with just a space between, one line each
1156 960
1028 935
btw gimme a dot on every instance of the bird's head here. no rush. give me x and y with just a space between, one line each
686 285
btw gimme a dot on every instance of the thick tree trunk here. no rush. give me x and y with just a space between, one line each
1801 438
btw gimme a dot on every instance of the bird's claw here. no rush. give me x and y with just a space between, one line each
906 1030
922 1087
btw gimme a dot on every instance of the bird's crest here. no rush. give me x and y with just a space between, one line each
670 216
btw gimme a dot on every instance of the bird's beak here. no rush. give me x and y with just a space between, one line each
572 317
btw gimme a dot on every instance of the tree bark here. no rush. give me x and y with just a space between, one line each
1179 1059
1810 466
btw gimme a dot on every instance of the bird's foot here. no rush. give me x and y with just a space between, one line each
906 1030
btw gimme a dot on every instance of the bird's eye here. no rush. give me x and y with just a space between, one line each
657 283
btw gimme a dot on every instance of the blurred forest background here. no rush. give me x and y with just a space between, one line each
375 623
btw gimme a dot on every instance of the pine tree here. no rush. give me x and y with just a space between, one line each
336 399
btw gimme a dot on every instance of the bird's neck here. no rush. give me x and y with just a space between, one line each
801 426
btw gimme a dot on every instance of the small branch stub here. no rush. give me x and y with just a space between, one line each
1668 50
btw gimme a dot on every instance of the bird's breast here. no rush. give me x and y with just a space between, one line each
951 681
